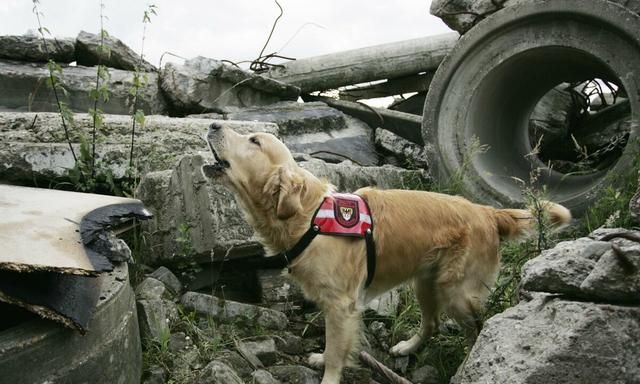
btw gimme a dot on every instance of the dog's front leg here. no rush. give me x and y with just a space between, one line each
342 331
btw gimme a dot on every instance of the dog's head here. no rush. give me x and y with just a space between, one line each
258 168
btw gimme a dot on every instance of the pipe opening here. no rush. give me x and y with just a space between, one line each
553 116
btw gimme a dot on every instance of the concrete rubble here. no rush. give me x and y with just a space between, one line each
577 320
25 87
31 48
462 15
120 55
210 306
203 85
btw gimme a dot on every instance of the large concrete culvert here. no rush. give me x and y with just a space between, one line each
491 82
37 351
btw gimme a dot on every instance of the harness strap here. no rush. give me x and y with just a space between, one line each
311 234
301 245
371 257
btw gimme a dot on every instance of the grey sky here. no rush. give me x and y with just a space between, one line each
232 29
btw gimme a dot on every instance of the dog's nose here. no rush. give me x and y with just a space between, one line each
215 127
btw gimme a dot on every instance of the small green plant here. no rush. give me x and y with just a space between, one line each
157 353
56 81
89 174
100 92
455 184
611 204
185 254
140 80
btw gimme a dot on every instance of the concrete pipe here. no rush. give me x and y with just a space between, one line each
496 74
40 351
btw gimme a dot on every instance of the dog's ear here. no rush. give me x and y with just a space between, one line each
286 187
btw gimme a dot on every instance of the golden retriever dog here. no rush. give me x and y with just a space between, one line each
446 245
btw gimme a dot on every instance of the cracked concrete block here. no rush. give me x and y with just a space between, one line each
26 87
551 340
411 153
263 348
168 279
31 48
206 85
217 372
120 55
314 128
232 311
34 144
151 289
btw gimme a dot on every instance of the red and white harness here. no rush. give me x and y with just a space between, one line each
343 214
340 214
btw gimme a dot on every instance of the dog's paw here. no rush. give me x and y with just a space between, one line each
406 347
316 360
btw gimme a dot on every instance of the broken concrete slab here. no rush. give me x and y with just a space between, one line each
314 128
120 56
31 48
154 320
50 236
232 311
34 144
411 154
348 177
260 376
587 269
217 372
354 143
26 87
264 348
64 298
549 340
462 15
203 85
151 289
276 288
110 349
58 229
295 374
169 280
550 122
210 217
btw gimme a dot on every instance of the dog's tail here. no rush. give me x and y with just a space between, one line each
515 223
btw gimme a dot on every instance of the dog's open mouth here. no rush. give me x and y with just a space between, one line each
216 169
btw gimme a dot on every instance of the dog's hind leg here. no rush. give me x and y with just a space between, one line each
342 322
430 309
466 310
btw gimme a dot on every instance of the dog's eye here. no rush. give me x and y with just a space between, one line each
254 140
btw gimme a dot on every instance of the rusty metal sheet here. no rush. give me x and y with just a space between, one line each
40 229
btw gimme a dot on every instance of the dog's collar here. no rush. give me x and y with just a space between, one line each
339 214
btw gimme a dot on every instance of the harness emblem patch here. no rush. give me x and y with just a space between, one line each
347 213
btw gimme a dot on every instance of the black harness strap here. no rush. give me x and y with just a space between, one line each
314 231
301 245
371 257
